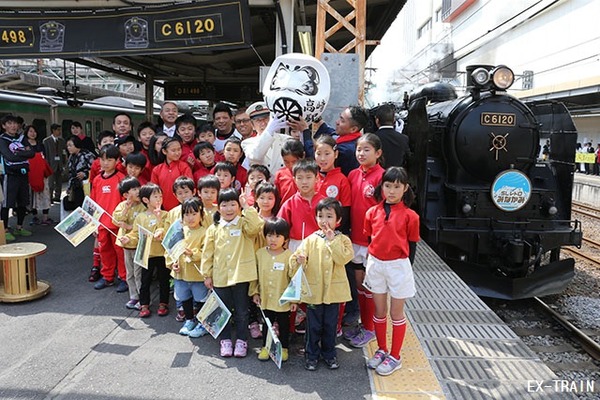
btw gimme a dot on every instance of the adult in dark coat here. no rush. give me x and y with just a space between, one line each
54 150
393 143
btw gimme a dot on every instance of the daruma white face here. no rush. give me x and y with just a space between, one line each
297 85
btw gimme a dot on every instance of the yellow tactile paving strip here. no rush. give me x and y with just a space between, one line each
414 381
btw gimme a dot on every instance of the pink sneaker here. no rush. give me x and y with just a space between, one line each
241 348
226 348
255 330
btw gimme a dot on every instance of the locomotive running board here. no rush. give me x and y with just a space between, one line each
549 279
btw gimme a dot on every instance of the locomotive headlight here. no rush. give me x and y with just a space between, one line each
481 76
503 77
552 210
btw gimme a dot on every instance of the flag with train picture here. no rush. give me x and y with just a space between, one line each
214 315
297 288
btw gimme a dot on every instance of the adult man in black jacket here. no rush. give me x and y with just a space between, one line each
15 152
393 143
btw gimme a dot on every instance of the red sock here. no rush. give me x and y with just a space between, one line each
369 311
398 332
381 332
96 256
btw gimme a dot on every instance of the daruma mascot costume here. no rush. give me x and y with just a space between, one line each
297 85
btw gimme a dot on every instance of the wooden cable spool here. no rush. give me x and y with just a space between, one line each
19 272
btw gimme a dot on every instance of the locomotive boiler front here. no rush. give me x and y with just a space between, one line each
485 136
495 213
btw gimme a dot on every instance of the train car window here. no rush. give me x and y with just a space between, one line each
66 127
88 128
40 126
98 128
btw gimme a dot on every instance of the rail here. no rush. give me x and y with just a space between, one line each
587 343
584 209
582 255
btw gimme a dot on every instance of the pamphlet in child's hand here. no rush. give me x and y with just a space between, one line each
297 288
173 241
273 344
77 226
142 251
214 315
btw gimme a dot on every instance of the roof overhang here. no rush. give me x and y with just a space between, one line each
230 67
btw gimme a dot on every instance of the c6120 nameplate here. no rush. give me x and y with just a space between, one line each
498 119
197 27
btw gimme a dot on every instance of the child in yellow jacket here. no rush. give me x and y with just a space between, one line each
183 189
123 216
229 264
152 220
323 256
188 281
274 274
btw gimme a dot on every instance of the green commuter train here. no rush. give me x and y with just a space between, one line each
95 116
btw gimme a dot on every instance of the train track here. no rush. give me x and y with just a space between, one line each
592 242
591 212
587 343
586 210
564 348
583 255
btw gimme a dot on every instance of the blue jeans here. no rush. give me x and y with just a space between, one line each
235 299
186 290
321 330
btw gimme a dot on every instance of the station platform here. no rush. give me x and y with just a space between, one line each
81 343
586 188
457 348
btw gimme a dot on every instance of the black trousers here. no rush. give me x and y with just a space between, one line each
321 330
235 299
283 320
163 273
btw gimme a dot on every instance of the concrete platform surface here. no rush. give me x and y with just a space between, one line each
81 343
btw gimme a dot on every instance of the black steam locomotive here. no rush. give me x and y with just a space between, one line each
489 207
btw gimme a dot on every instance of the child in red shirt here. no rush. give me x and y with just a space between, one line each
164 174
394 232
105 192
299 210
206 133
104 138
291 151
363 181
233 153
256 175
134 167
225 173
146 132
205 157
186 129
126 145
333 183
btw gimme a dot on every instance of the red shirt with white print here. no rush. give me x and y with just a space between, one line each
362 184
